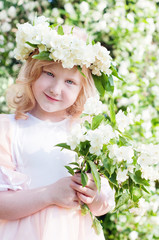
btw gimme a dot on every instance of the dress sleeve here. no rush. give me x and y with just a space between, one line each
10 179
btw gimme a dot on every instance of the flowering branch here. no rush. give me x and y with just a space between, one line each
104 148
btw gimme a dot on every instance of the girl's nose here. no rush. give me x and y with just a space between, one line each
56 89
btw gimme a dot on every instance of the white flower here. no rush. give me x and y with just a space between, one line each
127 101
148 113
76 136
96 15
143 206
95 150
12 12
96 141
98 137
6 27
155 90
79 160
150 173
149 153
101 6
1 5
55 12
1 39
93 106
155 220
122 175
3 15
133 235
106 132
123 121
144 160
84 7
70 9
121 153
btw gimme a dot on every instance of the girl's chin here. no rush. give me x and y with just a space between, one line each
51 111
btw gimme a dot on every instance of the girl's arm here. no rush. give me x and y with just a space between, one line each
18 204
98 203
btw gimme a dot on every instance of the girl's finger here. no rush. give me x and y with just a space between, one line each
85 199
90 183
84 190
89 175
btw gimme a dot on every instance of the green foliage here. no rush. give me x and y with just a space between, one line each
95 174
60 30
43 56
96 121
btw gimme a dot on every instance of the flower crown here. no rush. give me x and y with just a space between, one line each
53 44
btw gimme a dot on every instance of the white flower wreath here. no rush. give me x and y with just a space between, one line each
68 48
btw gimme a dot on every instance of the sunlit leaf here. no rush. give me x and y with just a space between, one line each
96 121
43 56
95 174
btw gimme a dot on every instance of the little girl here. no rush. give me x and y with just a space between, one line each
39 199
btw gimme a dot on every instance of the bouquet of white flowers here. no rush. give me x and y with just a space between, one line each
104 148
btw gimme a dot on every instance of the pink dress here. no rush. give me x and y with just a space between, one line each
28 160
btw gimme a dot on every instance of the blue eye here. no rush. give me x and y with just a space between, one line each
70 82
50 74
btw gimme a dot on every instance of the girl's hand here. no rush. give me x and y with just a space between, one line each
62 194
86 194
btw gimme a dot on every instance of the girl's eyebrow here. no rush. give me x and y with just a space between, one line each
49 68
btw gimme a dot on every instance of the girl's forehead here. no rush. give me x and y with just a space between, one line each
57 66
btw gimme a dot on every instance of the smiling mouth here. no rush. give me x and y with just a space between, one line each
52 99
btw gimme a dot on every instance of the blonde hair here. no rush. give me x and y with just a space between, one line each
20 95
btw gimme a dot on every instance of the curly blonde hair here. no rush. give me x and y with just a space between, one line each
20 95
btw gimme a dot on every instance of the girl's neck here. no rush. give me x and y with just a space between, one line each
53 117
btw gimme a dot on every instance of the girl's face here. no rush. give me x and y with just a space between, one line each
56 90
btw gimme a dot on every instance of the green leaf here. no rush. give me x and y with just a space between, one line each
138 179
127 135
112 178
74 163
60 30
32 45
87 124
96 121
84 148
43 56
70 170
145 189
99 85
72 29
84 209
122 200
80 70
97 226
63 145
104 83
115 72
110 84
84 178
53 26
112 111
95 174
108 165
107 82
122 141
